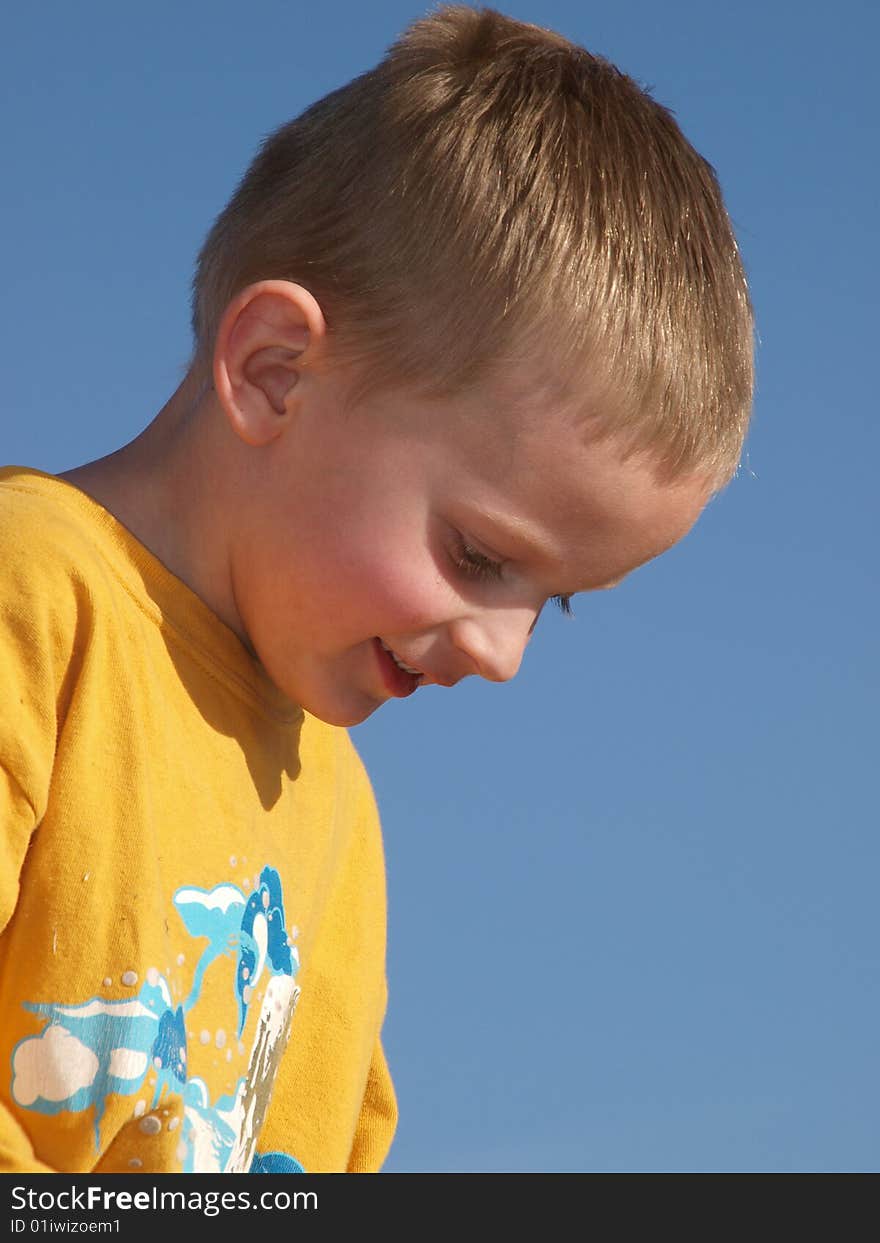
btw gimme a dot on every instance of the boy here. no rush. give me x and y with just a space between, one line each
472 334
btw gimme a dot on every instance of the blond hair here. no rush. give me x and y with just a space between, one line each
491 187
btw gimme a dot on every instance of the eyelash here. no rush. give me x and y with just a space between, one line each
476 565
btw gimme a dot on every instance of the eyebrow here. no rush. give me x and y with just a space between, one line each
517 530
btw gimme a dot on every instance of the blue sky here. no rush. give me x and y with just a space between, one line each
633 893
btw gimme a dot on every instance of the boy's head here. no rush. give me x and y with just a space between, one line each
489 193
482 316
405 540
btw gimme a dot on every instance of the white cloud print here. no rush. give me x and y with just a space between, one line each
128 1064
51 1067
220 898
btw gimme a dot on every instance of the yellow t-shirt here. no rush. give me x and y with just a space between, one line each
185 859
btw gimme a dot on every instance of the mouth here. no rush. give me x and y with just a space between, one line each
400 679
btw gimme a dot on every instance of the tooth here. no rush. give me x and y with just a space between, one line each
406 668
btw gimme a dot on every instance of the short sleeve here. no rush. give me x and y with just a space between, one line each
378 1119
44 617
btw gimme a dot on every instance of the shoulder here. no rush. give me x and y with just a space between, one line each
37 528
46 623
47 555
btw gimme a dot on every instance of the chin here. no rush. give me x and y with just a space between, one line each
325 699
344 715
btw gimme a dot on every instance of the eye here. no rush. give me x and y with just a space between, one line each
474 563
477 565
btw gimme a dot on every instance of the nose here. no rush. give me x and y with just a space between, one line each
494 642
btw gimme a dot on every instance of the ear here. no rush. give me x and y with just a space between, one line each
270 332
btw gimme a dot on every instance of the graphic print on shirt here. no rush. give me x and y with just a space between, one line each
89 1051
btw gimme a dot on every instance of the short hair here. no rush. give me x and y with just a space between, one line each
487 184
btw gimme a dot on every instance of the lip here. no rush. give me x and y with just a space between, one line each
397 683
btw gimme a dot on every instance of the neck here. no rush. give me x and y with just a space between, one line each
167 487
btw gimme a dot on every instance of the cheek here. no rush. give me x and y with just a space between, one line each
393 585
401 595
